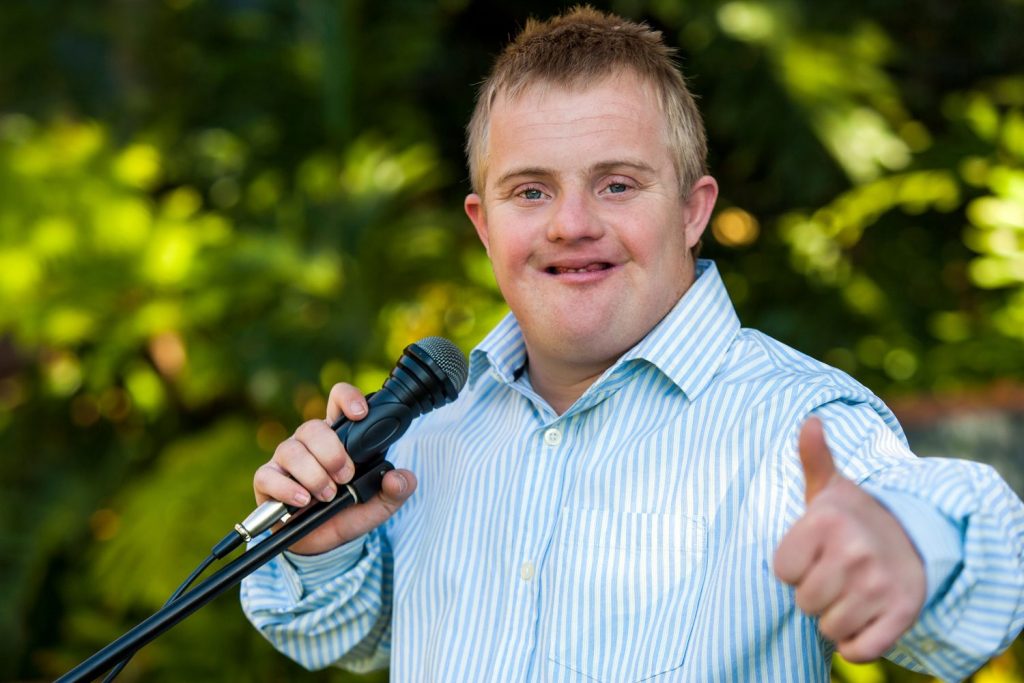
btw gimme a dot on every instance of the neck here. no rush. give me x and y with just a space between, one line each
560 384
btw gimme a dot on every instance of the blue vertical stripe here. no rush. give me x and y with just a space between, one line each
631 538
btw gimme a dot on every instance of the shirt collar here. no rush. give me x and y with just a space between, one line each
503 350
688 345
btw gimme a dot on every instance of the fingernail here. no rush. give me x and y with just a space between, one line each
356 408
402 485
301 498
327 493
345 474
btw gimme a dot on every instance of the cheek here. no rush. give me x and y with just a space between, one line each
663 262
509 250
507 266
650 250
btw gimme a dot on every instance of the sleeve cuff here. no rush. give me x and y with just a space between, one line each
314 571
937 539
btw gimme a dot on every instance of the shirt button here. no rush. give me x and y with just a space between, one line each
929 646
526 571
553 437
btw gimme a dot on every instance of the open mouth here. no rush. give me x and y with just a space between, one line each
589 268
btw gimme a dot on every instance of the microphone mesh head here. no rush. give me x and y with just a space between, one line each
449 357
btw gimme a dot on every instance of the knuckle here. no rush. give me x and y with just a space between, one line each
780 566
876 586
286 450
857 552
342 390
803 601
861 555
823 513
390 503
827 627
823 521
850 653
861 650
787 569
264 474
390 506
309 429
344 467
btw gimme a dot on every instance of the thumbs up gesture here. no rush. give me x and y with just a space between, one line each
850 560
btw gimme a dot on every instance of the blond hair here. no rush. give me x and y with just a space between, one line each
581 48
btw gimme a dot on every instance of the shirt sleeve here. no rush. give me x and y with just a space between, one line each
332 608
968 527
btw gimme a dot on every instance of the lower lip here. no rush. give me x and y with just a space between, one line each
583 277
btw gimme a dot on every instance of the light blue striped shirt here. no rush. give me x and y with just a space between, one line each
631 538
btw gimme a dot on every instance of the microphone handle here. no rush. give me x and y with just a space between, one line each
387 418
365 440
364 486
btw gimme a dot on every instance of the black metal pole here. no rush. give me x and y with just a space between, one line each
363 486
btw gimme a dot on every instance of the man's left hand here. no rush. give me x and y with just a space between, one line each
850 560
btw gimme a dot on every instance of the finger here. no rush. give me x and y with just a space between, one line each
346 400
820 587
816 459
396 487
271 482
295 459
324 445
874 640
799 549
847 617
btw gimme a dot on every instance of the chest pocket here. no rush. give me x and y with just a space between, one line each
625 590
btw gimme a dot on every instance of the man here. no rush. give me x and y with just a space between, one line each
630 480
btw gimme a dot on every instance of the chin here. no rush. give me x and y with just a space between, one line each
589 346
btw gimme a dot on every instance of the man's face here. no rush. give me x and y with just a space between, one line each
583 219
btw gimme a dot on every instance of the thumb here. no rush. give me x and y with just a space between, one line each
816 459
395 489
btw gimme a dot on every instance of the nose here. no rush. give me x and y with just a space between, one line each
575 218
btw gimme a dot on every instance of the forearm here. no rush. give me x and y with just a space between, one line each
333 608
967 527
978 609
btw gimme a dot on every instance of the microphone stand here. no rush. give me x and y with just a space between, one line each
365 484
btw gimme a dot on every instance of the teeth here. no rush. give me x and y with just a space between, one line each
586 269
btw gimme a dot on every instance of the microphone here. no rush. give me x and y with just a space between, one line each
430 374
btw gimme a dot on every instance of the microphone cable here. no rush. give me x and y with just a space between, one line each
174 596
429 374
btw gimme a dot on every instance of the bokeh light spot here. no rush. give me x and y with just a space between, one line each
270 434
735 227
105 524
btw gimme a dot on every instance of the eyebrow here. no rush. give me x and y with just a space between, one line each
600 167
531 171
635 164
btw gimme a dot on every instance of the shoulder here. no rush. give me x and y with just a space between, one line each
789 384
756 357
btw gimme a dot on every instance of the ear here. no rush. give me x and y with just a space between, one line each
474 206
698 207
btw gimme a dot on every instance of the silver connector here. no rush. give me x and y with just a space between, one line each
262 518
270 513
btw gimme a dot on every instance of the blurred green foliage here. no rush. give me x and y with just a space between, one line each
212 210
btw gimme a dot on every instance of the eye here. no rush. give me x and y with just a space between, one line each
617 185
531 194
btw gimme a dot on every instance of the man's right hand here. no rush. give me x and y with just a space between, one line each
313 462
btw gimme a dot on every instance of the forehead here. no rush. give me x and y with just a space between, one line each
554 125
618 92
